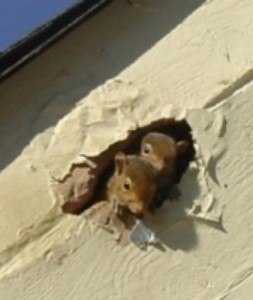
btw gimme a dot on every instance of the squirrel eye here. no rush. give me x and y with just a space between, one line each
127 185
146 149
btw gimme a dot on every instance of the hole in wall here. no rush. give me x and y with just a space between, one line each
82 187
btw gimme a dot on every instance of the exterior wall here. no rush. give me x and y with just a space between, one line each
193 58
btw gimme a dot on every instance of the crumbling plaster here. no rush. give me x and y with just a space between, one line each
188 59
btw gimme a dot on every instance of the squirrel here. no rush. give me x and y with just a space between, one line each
133 184
142 182
161 151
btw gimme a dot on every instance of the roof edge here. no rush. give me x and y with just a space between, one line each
43 37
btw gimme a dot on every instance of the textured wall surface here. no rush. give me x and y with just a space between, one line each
125 67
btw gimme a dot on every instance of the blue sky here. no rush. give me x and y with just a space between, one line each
20 17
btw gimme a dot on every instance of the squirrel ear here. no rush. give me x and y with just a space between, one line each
119 162
182 146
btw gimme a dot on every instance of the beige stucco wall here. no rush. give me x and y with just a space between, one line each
190 59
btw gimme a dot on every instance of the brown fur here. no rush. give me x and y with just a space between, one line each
133 184
161 151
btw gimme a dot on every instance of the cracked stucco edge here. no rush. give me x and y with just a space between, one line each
54 216
10 258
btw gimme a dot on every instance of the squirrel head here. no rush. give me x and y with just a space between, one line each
161 150
134 183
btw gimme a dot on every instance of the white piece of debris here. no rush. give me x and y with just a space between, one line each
142 236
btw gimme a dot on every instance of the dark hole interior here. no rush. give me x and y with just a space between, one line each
178 129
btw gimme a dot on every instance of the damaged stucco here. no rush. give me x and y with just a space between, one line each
200 71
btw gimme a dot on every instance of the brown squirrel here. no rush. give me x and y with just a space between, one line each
133 184
161 151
